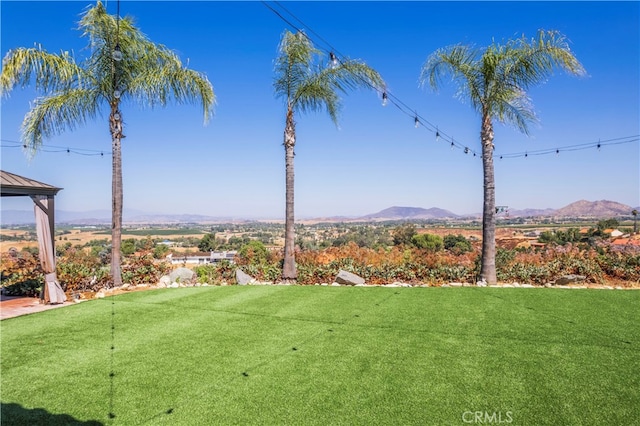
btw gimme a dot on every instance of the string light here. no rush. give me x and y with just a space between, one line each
416 121
385 99
334 59
117 53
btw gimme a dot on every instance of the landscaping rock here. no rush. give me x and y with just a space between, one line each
243 278
181 275
568 279
348 278
165 280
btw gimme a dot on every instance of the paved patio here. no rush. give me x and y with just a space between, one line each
15 306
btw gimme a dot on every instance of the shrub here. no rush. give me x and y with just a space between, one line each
21 274
143 269
206 273
457 244
428 242
253 253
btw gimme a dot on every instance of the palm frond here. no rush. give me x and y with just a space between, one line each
461 64
51 115
513 107
157 87
530 62
495 81
49 72
293 64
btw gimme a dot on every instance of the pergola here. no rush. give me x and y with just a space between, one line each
42 194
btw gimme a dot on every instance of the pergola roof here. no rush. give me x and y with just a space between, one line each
14 185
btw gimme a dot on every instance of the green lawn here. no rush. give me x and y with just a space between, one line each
275 355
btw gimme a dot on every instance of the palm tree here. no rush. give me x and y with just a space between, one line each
308 85
495 81
634 212
122 64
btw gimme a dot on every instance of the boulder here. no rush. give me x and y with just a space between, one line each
568 279
243 278
348 278
165 280
181 275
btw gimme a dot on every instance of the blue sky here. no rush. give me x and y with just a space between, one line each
376 158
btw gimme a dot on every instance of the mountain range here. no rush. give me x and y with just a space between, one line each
578 209
602 209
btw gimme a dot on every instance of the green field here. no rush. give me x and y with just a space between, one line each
157 232
275 355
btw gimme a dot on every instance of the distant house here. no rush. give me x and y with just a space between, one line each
613 233
626 242
202 258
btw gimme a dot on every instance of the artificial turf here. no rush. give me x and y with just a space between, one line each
298 355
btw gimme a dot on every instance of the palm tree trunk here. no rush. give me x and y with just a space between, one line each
115 121
289 272
488 267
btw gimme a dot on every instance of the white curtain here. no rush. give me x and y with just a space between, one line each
44 227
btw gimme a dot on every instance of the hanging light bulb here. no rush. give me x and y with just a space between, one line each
117 53
437 135
117 93
452 145
416 122
116 116
466 150
384 99
333 59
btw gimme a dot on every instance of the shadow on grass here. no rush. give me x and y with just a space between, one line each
15 414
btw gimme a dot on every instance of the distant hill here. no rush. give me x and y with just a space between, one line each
103 217
398 213
599 209
602 209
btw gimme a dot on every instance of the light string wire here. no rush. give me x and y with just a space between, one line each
419 120
5 143
579 147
